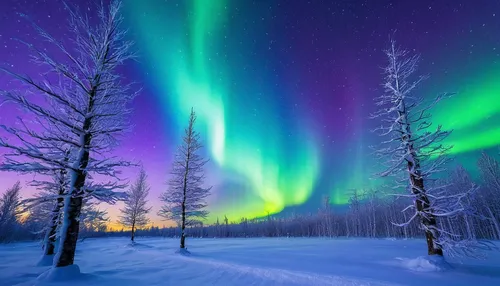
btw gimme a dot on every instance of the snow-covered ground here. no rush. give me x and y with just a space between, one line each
265 261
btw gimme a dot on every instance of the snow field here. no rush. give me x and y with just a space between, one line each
251 261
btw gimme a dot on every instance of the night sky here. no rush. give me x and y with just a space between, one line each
283 89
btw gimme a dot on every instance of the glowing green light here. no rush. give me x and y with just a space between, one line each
183 50
473 114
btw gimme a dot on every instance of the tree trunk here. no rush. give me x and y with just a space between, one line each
422 205
133 232
422 202
55 221
50 237
183 214
69 235
183 237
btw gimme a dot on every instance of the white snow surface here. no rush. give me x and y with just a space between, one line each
246 261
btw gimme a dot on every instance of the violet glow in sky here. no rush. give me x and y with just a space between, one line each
283 89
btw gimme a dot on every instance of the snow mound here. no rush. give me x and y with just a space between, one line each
70 272
424 263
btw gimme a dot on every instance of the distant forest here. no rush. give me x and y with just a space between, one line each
370 214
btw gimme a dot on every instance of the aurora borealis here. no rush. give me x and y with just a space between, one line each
283 89
244 136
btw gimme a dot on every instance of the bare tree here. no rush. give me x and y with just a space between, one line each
135 210
184 201
84 112
454 204
93 219
10 202
411 146
355 210
489 169
326 212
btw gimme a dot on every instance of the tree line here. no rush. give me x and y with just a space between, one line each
368 213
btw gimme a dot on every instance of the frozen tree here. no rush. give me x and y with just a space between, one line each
83 111
184 201
454 203
489 170
135 210
370 205
326 212
411 146
354 210
10 211
460 182
93 219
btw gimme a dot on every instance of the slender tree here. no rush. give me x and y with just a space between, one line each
184 201
134 214
84 111
411 146
10 203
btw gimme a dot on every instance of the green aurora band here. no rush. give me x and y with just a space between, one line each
189 72
473 114
185 51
